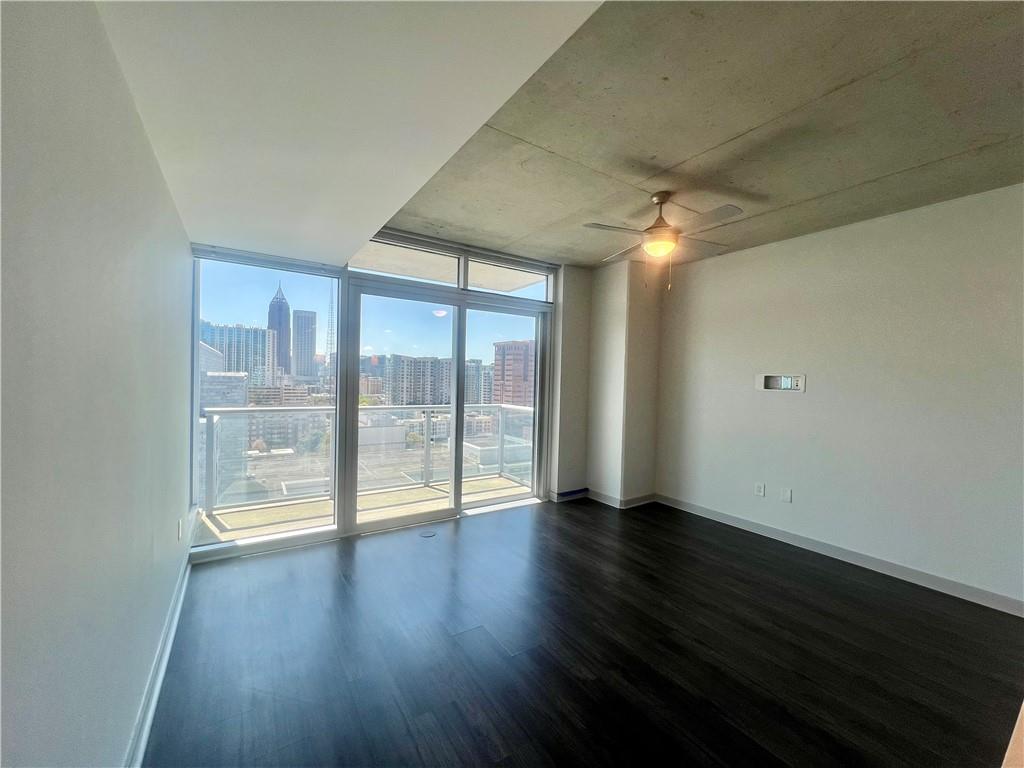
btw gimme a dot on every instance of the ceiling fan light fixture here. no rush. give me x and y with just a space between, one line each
660 242
661 238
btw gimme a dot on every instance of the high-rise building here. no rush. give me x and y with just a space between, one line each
417 380
442 379
513 372
304 343
487 383
332 323
474 382
372 365
279 320
244 348
403 381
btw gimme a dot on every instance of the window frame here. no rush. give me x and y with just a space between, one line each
352 283
468 253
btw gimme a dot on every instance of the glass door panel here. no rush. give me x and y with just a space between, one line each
499 426
404 432
265 365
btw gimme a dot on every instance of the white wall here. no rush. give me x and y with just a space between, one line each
645 294
570 380
96 297
907 444
624 313
609 308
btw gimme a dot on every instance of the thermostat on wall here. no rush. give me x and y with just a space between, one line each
779 382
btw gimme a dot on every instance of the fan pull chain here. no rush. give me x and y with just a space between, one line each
646 259
669 274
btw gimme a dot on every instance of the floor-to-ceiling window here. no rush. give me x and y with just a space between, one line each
405 388
265 389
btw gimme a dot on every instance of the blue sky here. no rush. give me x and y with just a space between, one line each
234 293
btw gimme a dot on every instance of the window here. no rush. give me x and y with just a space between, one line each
417 261
441 372
266 384
513 282
386 259
501 382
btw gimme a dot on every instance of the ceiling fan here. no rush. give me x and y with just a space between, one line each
661 238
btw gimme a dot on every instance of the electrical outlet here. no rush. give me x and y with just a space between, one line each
759 489
786 495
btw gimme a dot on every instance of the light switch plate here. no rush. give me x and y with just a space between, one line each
759 489
786 495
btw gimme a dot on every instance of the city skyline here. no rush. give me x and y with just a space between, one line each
239 294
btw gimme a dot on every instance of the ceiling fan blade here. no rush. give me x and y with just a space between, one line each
621 254
709 219
700 249
610 228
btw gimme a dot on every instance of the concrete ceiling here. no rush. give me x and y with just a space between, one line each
299 129
806 115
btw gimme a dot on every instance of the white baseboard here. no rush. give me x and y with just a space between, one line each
580 493
144 720
995 600
611 501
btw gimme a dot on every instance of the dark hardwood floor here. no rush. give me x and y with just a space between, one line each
576 634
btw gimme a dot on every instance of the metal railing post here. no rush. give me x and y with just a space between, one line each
330 454
428 438
210 500
501 439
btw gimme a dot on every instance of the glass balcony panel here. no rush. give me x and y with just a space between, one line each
267 470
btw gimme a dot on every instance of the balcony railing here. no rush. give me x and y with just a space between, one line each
259 455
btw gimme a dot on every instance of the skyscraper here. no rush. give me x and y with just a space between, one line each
304 342
513 372
474 382
279 320
487 383
417 380
244 348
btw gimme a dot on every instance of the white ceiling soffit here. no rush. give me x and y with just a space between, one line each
299 129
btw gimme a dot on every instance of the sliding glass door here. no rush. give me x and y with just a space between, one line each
404 410
446 386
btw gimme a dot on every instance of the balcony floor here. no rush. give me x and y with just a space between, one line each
244 522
